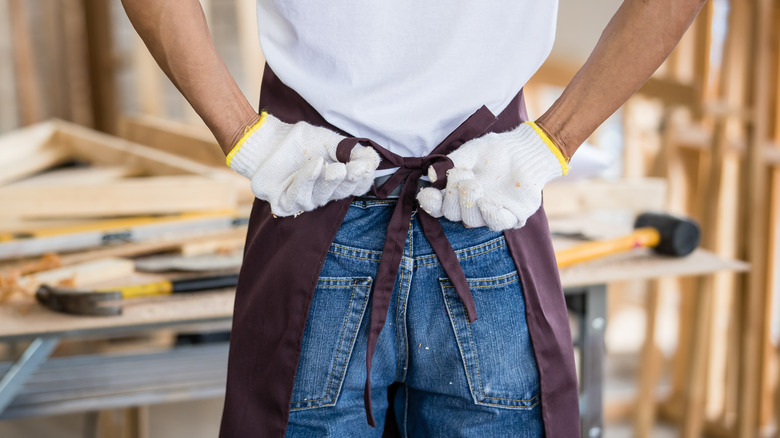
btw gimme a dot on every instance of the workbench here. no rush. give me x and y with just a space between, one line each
39 384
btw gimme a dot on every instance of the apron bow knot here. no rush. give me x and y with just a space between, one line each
410 169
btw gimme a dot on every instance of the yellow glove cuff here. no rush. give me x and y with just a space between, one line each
553 148
248 131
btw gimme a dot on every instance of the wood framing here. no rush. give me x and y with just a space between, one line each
192 141
183 139
169 183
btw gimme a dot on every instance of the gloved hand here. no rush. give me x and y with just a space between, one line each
294 166
497 180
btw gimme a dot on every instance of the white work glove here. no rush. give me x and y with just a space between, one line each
497 180
294 166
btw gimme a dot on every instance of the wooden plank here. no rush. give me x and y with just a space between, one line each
106 150
51 54
76 69
642 264
672 93
16 225
27 73
638 195
102 64
768 402
135 196
29 150
702 70
81 274
195 142
26 320
185 140
651 361
78 176
713 429
196 244
771 389
9 117
98 233
252 58
754 219
148 80
698 138
226 242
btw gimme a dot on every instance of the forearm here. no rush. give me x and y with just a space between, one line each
176 33
634 44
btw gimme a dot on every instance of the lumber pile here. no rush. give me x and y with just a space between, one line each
78 204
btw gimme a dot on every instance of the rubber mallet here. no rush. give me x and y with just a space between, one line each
666 234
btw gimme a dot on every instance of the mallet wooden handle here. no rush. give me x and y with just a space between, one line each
641 237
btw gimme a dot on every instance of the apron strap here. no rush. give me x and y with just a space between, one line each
410 169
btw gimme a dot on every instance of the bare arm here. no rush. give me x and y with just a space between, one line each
634 44
176 33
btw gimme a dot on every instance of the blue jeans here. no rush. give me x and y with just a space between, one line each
458 379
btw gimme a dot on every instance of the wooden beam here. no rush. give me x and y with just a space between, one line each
754 218
78 176
27 73
81 274
102 65
702 68
106 150
76 69
51 53
252 59
9 117
134 196
148 80
651 361
29 150
194 142
671 92
566 198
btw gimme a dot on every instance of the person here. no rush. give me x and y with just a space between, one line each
398 275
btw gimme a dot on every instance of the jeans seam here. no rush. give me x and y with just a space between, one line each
397 325
473 248
354 257
406 412
465 257
366 251
457 340
405 331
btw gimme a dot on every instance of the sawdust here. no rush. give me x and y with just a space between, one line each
11 288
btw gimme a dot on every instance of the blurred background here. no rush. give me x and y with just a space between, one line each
94 138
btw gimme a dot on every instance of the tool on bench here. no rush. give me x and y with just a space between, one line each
112 231
666 234
107 302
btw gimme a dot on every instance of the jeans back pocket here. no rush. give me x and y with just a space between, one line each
331 329
496 348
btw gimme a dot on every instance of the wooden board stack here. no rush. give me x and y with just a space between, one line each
76 203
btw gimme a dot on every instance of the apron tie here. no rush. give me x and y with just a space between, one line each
410 169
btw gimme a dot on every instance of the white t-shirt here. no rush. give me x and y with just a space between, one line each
405 73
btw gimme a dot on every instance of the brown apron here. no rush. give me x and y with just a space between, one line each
274 292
